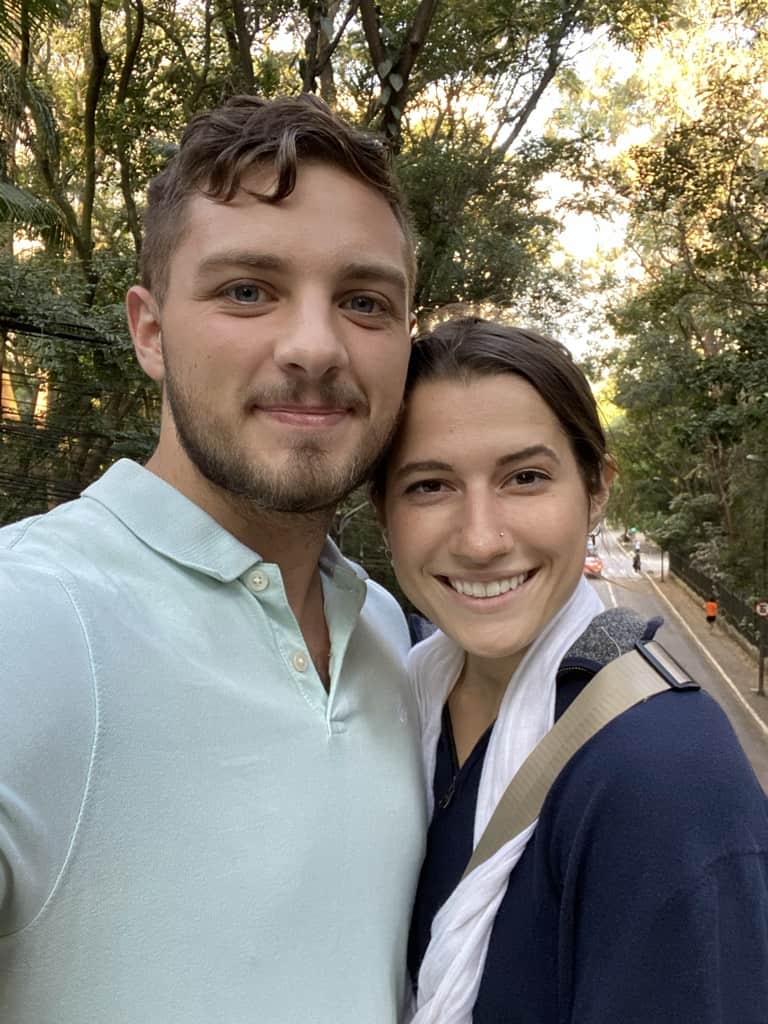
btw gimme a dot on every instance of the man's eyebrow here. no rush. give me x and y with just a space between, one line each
372 271
239 258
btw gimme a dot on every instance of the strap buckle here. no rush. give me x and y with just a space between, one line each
663 663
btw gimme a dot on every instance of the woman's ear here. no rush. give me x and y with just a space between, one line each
599 499
377 500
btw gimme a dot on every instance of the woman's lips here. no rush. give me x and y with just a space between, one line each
485 589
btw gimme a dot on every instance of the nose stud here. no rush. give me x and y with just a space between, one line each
501 533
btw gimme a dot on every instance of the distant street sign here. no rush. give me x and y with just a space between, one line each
761 607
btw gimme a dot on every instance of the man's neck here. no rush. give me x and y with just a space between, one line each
294 543
290 540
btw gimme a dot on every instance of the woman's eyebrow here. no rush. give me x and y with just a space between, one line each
434 466
528 453
427 466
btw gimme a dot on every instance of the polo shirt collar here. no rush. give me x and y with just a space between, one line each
169 523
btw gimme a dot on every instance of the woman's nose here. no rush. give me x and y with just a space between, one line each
482 533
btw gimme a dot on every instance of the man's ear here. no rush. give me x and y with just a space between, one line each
144 324
599 499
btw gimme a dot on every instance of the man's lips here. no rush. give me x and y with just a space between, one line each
305 415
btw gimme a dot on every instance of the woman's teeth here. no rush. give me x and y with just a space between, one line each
492 589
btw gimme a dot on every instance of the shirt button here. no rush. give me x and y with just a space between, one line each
258 581
300 661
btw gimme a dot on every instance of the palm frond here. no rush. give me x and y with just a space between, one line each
39 12
15 98
26 210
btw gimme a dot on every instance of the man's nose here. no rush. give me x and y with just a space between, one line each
482 532
311 343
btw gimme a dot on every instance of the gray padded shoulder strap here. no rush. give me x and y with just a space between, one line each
622 683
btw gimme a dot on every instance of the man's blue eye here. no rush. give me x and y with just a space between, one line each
245 292
364 304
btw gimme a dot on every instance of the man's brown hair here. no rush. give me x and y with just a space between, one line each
220 146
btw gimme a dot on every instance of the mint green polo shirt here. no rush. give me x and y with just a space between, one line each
192 830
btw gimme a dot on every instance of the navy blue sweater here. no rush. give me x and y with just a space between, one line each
642 897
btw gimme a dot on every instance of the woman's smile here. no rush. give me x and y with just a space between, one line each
484 589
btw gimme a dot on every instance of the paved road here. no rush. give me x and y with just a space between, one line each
715 660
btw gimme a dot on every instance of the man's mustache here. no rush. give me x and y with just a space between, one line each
327 394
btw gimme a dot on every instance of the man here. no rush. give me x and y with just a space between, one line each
210 794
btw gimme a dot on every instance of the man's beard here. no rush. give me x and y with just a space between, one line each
305 481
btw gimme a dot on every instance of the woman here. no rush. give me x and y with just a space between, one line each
640 895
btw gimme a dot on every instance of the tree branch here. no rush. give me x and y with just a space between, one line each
417 35
99 61
133 44
326 54
370 19
396 80
243 39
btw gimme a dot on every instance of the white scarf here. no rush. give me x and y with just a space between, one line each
453 964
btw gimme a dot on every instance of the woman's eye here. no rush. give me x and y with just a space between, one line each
425 487
527 477
247 292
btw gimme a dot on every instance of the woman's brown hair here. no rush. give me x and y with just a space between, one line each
467 347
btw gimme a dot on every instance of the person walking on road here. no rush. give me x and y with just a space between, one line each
710 609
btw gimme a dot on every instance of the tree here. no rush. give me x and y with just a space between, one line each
100 93
691 368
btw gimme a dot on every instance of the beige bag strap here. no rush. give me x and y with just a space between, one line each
633 677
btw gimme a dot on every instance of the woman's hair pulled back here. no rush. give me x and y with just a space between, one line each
468 347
